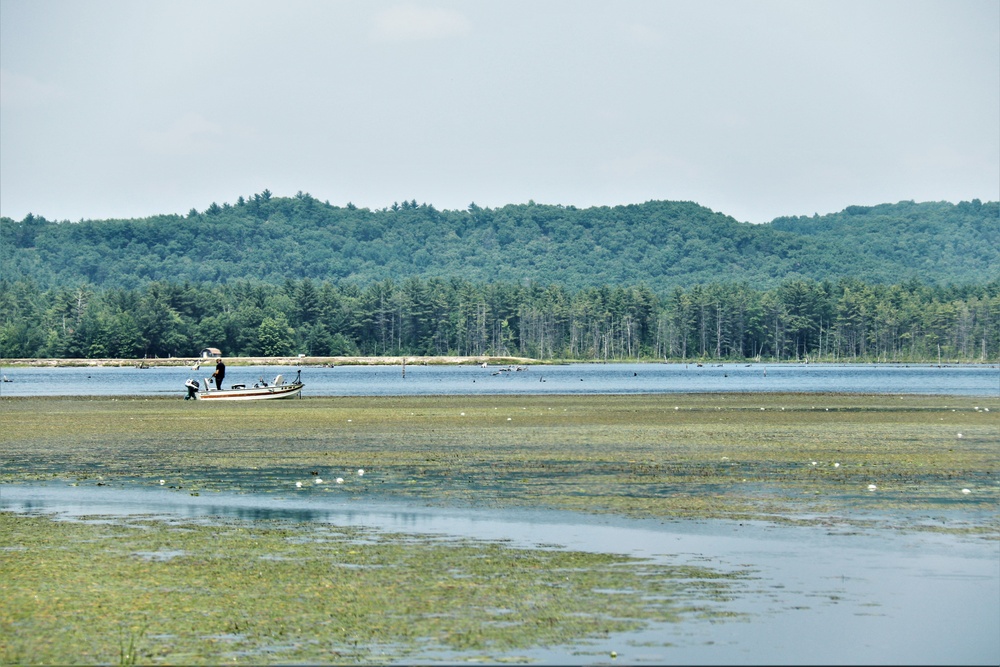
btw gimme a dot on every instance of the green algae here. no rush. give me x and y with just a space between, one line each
134 590
291 592
737 456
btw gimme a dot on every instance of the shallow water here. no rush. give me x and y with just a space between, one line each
651 378
827 593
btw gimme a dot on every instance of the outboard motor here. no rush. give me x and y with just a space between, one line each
192 387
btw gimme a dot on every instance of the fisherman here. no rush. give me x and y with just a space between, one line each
219 374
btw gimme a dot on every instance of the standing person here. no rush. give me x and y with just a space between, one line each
219 374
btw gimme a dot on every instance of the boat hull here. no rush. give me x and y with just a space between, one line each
251 394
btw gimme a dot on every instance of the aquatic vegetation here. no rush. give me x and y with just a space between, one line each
271 591
644 456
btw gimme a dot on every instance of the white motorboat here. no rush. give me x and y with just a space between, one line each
239 392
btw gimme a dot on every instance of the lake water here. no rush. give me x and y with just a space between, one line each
819 594
650 378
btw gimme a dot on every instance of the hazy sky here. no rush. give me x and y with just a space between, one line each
755 109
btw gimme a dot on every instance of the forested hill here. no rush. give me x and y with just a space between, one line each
660 244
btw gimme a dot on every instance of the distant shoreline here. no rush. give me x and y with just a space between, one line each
309 361
269 361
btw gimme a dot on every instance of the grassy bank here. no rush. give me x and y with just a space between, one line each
143 591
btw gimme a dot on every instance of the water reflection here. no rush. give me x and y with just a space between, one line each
831 592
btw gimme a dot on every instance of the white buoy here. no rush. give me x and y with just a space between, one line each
836 465
162 482
966 491
340 480
872 487
960 435
319 481
298 485
361 472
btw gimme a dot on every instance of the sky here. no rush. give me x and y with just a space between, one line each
755 109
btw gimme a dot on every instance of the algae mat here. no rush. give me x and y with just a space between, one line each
717 456
137 590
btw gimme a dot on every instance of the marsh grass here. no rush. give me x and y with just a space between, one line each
129 638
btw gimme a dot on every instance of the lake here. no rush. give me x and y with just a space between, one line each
830 593
648 378
827 591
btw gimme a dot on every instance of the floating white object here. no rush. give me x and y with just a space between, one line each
966 491
162 482
319 481
872 487
836 465
361 472
960 435
340 480
298 485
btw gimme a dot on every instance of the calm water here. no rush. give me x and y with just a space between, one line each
564 379
822 594
829 594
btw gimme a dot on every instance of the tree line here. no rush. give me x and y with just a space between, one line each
846 320
661 244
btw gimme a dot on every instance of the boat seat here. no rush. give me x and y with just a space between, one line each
279 380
